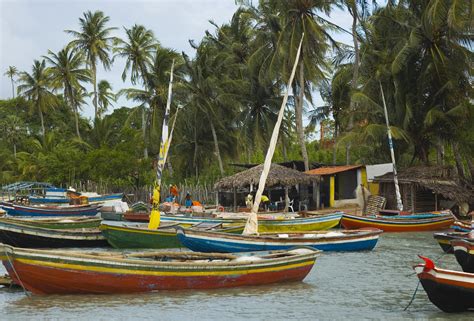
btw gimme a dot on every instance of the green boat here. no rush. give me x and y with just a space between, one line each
57 223
139 236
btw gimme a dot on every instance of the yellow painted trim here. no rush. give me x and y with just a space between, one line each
155 232
363 176
398 225
157 273
332 186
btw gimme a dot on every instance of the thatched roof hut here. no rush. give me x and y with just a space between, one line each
418 183
278 175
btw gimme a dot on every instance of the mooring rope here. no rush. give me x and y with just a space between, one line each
413 296
16 274
418 285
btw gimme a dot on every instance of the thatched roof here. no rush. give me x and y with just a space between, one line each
278 175
442 180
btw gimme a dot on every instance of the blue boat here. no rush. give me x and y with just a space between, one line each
60 196
338 240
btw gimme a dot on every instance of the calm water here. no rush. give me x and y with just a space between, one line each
372 285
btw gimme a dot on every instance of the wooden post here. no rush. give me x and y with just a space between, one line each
235 200
331 191
412 194
316 195
436 201
286 199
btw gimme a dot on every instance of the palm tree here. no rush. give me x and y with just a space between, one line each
93 39
12 72
138 51
106 96
12 129
288 20
37 88
66 72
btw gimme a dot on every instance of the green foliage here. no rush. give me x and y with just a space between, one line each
229 92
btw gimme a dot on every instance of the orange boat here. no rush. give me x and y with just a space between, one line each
402 223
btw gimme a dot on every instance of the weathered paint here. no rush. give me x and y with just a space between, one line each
332 187
397 225
54 273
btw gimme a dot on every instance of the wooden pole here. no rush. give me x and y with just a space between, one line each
287 199
235 200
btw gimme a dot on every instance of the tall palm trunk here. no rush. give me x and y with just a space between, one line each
76 119
43 131
457 157
94 82
13 87
355 76
195 152
299 117
470 165
145 149
216 146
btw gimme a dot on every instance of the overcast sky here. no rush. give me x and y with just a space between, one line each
30 27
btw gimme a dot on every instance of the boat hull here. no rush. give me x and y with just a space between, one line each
316 223
20 210
464 252
55 223
450 291
212 242
34 237
65 200
397 225
50 273
132 237
444 240
125 237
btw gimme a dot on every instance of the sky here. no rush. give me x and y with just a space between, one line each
29 28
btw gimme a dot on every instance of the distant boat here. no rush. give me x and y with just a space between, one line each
444 239
126 236
60 196
63 272
461 226
35 237
464 252
211 241
404 223
71 222
53 211
450 291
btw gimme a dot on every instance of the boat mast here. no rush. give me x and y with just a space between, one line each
251 226
392 153
155 212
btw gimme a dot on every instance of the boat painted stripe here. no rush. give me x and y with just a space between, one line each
137 230
379 223
464 249
103 269
284 241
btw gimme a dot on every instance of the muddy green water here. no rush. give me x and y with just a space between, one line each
373 285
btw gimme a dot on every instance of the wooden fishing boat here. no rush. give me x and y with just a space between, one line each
61 197
464 252
450 291
36 237
313 223
461 226
127 236
406 224
444 239
211 241
72 222
61 272
53 211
